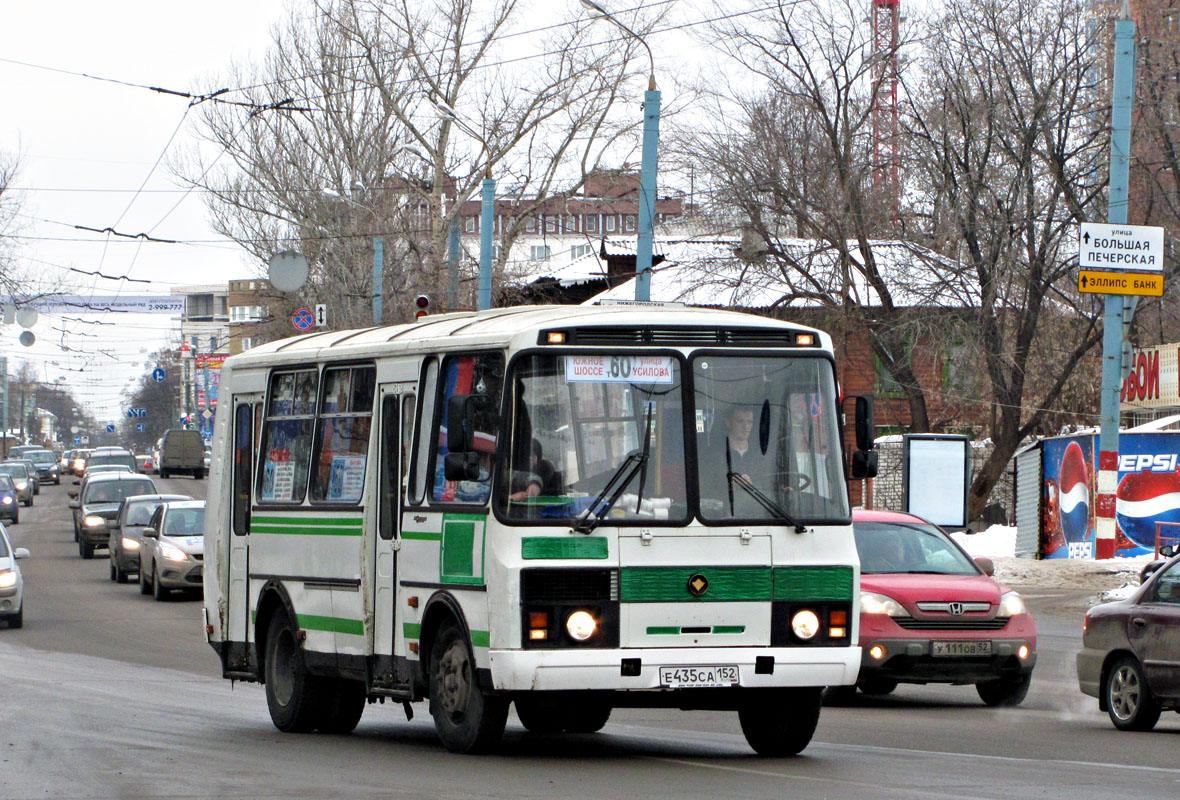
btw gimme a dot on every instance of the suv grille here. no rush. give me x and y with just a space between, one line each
911 624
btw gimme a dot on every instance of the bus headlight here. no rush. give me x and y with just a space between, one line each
805 624
580 625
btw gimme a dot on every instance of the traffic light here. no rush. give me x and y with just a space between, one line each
423 303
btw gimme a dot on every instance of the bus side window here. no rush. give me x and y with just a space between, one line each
407 434
243 461
286 437
342 438
424 427
388 494
480 375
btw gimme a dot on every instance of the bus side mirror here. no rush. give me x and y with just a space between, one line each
864 422
461 466
864 464
461 410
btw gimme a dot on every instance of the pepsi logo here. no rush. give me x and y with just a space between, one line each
1143 499
1074 498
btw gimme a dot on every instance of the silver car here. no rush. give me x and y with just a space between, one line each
19 472
126 528
173 551
12 601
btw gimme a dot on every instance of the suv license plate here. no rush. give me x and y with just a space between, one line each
686 677
962 649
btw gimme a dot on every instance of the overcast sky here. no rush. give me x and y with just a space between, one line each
86 146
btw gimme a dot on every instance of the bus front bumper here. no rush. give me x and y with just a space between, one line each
640 669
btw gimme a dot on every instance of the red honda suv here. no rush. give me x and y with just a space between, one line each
929 613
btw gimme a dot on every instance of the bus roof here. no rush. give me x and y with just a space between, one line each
500 325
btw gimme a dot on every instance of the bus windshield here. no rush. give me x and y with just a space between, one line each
577 449
767 439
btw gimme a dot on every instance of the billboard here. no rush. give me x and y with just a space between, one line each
1067 529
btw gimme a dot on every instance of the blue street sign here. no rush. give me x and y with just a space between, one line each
77 440
158 374
132 413
110 428
140 427
303 319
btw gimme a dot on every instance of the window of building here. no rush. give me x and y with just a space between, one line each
550 224
539 252
469 224
885 385
590 223
610 224
247 343
629 223
530 224
579 250
571 224
213 343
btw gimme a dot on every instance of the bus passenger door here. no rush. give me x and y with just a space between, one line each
244 433
394 432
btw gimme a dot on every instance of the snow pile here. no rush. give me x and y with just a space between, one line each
998 541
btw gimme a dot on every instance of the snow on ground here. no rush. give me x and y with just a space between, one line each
1108 579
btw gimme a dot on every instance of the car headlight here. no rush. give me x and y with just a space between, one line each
22 485
93 521
172 553
130 544
805 623
580 625
7 578
6 500
873 603
1011 604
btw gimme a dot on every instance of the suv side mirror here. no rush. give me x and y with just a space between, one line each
20 552
985 564
149 533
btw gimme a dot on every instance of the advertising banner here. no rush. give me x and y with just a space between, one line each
1149 491
1068 501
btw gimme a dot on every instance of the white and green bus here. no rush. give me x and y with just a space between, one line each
569 509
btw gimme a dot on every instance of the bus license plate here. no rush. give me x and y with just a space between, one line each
962 649
697 677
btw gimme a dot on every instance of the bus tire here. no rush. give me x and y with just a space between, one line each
587 718
292 694
343 703
782 726
540 716
467 720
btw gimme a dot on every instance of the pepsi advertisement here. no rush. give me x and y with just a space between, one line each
1068 502
1148 493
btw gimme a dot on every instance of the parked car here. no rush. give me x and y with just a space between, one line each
21 479
1129 652
126 528
173 551
98 503
182 450
32 468
112 455
9 499
12 585
929 613
48 469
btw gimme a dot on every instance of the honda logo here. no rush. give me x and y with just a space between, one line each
955 608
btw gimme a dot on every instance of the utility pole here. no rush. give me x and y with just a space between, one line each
1121 101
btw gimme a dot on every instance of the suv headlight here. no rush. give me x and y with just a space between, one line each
7 578
873 603
1011 604
22 485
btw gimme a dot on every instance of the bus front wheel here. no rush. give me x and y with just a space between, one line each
291 693
782 726
467 719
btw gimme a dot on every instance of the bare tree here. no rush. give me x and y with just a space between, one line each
400 109
1009 144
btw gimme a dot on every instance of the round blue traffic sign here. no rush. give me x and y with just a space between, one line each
303 319
158 374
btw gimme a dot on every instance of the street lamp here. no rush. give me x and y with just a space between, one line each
648 166
487 213
378 249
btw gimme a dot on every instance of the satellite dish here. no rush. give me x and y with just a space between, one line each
27 338
26 317
287 271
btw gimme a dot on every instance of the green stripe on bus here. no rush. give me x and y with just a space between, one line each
561 548
813 583
413 630
312 622
303 520
424 536
664 630
670 584
729 629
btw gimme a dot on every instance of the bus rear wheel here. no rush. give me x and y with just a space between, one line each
781 725
467 719
291 692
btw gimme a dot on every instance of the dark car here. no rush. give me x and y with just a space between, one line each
125 532
98 503
109 456
1130 657
47 464
929 613
9 505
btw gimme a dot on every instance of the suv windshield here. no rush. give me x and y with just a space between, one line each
889 547
114 491
41 457
577 439
6 483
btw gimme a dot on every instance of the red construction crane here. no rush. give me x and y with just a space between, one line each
886 158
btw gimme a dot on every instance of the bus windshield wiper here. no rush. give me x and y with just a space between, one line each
767 503
635 461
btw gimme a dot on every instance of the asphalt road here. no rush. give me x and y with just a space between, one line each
105 693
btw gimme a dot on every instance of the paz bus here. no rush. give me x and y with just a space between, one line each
566 509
